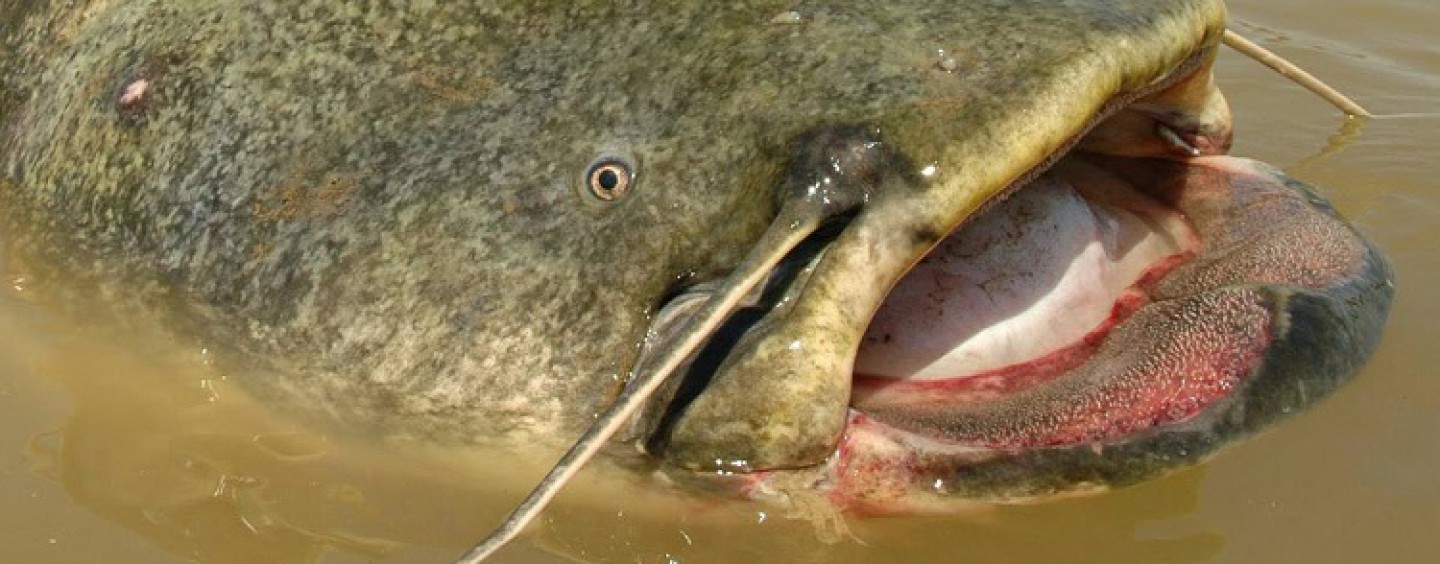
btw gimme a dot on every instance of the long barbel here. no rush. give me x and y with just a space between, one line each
798 219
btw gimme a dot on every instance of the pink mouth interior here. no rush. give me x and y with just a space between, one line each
998 338
1032 276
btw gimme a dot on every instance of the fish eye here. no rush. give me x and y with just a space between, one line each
609 179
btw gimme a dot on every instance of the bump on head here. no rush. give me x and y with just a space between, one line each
840 167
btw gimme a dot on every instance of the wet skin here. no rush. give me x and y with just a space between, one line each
385 214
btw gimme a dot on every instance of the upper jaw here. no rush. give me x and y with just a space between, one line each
780 399
1187 120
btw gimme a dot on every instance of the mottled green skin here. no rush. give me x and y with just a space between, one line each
381 205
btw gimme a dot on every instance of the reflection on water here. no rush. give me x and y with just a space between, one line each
160 445
131 449
1349 132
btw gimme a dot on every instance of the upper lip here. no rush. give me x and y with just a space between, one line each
1175 138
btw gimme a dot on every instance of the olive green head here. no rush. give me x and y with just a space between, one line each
459 218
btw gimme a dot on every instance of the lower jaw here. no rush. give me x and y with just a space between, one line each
1136 396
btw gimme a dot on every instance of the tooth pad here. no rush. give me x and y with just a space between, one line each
1254 230
1163 365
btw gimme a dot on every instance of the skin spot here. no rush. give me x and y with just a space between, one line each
302 196
787 18
140 93
134 93
133 102
450 86
925 235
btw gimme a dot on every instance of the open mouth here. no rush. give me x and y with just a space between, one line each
1140 303
1164 308
986 340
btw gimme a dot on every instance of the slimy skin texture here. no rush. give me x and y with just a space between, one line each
379 211
380 203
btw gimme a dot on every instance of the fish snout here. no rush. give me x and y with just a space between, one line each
778 396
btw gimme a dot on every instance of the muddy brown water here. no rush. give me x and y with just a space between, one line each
119 447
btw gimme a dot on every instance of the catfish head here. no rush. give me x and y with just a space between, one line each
1050 279
465 221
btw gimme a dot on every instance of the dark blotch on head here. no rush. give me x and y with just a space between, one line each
840 167
924 235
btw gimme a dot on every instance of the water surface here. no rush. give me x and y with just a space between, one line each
122 447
